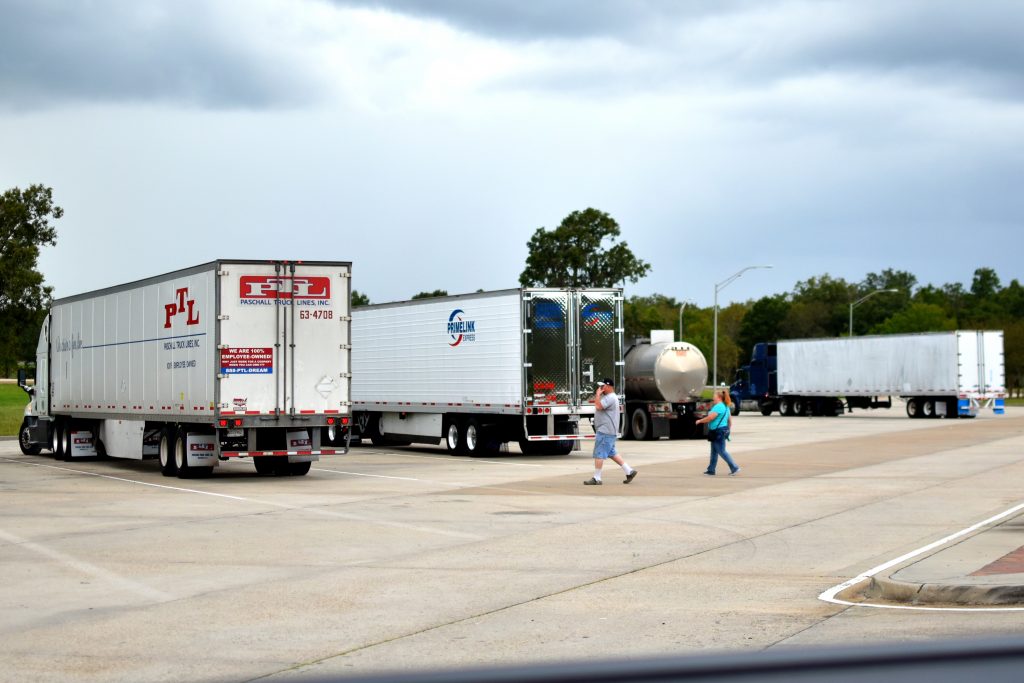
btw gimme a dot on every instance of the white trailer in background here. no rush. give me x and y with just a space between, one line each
937 373
226 359
479 370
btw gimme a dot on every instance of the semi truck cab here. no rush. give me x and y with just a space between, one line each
756 383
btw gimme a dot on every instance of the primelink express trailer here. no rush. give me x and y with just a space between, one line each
227 359
479 370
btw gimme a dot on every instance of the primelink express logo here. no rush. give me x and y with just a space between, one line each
594 315
460 329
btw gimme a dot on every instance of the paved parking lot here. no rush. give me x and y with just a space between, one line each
408 558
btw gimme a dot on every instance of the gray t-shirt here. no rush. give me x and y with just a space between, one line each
607 421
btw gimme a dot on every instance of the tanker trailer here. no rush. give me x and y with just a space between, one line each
664 382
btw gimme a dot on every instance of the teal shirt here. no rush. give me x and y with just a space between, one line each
721 416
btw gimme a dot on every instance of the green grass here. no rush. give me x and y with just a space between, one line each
12 409
1015 401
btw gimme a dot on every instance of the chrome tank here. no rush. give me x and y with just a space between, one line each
674 372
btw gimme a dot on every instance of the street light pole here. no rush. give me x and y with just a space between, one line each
865 298
718 287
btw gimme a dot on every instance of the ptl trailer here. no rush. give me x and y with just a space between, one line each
479 370
227 359
937 373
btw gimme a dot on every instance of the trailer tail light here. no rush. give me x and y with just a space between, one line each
344 420
238 422
330 420
222 423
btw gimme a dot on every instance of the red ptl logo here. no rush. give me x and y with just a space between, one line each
181 304
276 287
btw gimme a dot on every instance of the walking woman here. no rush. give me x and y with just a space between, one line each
719 419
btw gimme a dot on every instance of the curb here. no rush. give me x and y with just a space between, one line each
891 590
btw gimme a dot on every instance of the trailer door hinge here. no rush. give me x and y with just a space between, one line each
346 375
345 347
223 273
527 365
345 318
223 346
222 376
527 331
223 317
345 274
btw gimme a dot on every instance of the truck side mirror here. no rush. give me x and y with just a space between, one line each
23 382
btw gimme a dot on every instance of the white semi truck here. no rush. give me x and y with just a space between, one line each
229 359
938 374
477 371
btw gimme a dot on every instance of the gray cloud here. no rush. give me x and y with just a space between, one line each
54 52
516 19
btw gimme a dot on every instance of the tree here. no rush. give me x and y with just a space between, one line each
430 295
763 323
917 317
25 217
359 299
581 252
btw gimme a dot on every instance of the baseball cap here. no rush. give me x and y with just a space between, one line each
606 380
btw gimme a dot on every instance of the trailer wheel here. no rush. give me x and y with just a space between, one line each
785 407
299 469
181 455
63 436
25 440
799 406
913 408
640 424
167 466
266 465
55 438
452 438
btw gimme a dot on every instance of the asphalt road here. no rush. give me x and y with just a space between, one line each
409 559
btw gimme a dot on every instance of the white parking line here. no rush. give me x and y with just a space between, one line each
87 568
255 501
831 593
456 460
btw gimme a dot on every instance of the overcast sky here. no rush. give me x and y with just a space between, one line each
426 141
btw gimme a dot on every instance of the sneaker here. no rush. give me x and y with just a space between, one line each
734 472
629 477
592 482
709 474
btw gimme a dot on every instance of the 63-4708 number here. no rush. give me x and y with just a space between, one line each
316 315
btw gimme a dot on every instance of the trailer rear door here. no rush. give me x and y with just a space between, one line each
599 342
548 320
284 338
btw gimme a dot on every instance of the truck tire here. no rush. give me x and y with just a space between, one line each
167 466
913 408
799 406
62 435
563 447
299 469
453 438
928 408
181 454
766 409
640 424
785 407
471 436
28 447
267 465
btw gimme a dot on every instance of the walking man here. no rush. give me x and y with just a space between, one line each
606 429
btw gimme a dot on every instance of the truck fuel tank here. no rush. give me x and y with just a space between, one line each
665 371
